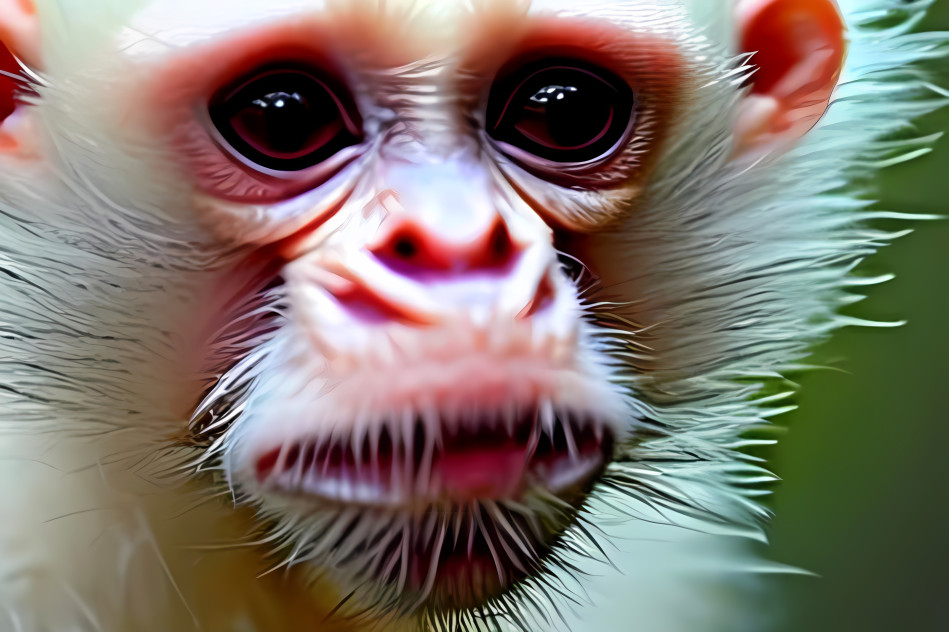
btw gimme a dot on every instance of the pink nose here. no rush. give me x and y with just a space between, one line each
446 243
410 249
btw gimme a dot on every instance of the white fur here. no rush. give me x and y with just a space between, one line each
747 265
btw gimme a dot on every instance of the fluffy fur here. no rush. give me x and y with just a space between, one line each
105 525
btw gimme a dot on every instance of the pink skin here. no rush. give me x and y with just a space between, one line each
17 137
801 47
19 30
488 473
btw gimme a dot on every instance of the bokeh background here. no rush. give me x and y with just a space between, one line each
865 459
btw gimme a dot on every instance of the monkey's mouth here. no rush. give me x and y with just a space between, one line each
495 456
467 511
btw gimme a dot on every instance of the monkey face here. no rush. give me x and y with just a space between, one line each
430 405
420 400
445 271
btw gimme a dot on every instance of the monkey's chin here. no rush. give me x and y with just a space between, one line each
463 514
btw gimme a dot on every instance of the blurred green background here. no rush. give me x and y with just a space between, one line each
865 504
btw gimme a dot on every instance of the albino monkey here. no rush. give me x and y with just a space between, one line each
365 314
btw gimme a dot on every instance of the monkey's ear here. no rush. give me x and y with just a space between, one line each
799 48
20 30
19 39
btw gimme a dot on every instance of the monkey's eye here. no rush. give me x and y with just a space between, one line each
286 119
560 111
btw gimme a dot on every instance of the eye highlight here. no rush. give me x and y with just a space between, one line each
558 112
286 119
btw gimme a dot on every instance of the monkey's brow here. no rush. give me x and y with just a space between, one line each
179 23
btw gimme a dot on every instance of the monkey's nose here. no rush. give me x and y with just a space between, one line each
409 248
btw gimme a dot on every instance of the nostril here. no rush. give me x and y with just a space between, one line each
494 251
410 249
500 247
405 248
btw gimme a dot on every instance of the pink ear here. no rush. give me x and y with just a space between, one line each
19 37
19 30
799 48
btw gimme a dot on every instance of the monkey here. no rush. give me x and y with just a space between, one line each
415 315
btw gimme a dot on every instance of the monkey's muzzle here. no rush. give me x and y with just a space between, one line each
483 456
478 502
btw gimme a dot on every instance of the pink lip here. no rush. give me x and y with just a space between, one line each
486 458
482 472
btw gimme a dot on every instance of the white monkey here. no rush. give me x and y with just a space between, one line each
404 314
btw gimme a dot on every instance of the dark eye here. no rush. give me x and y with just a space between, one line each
286 119
560 111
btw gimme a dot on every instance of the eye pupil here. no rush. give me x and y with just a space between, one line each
286 120
279 121
569 118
